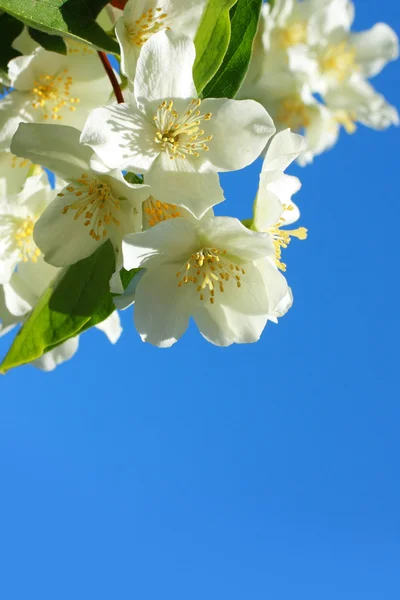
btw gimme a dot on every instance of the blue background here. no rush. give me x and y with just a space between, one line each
266 471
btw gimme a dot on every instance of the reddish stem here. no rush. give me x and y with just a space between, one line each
111 75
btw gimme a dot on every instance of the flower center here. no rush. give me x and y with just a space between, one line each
149 23
294 113
52 94
156 211
24 240
339 60
180 135
208 270
293 35
282 237
94 200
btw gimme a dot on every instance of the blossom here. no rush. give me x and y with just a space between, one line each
341 53
19 297
214 270
18 215
94 206
177 140
144 18
273 207
52 87
357 101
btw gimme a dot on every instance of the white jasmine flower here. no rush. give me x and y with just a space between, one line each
52 87
342 53
214 270
94 206
18 215
166 132
21 294
357 101
273 207
144 18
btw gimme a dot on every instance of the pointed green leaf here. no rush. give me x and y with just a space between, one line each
53 43
212 41
244 15
73 18
66 307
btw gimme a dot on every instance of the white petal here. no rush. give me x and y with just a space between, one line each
162 309
18 298
197 192
171 240
276 287
241 313
283 149
125 300
227 233
7 320
375 48
164 69
62 239
50 360
122 137
111 327
213 325
14 108
56 147
129 51
240 130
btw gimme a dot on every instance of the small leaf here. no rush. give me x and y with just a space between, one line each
10 28
212 41
53 43
132 178
72 18
226 82
78 297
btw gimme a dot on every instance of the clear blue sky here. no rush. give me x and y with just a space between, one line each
249 473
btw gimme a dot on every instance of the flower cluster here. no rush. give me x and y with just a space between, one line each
310 71
142 175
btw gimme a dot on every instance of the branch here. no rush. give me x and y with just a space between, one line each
111 75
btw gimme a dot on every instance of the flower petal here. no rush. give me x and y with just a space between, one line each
375 48
162 309
164 69
14 108
283 149
56 147
228 233
122 137
63 239
111 327
171 240
240 130
50 360
197 192
129 51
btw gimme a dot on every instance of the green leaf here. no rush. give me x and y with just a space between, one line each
212 41
132 178
73 302
245 15
73 18
53 43
10 28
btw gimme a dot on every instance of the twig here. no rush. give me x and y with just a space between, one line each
111 75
